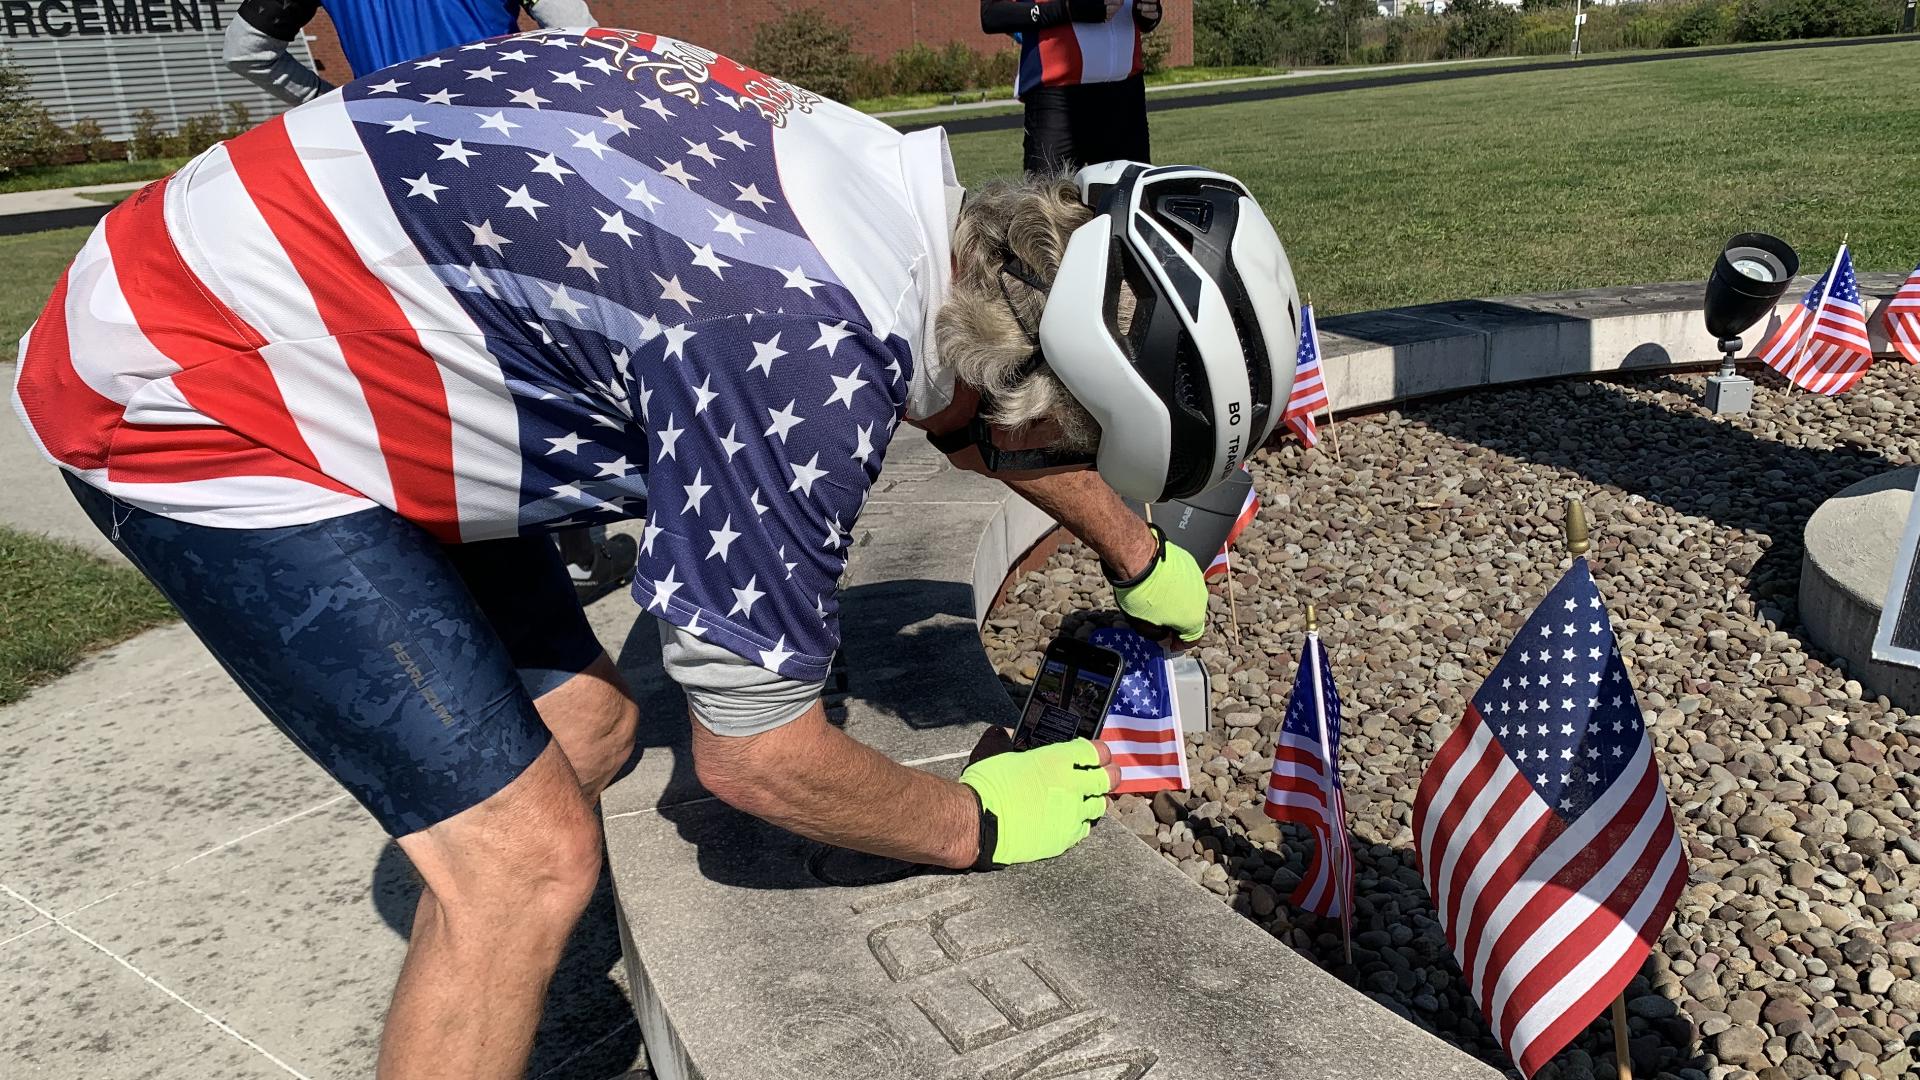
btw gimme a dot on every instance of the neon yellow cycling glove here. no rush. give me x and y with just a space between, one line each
1037 803
1172 592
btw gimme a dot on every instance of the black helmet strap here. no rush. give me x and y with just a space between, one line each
978 432
1013 268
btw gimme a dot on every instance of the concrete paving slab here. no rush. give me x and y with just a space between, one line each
297 934
68 1010
17 918
95 799
122 675
37 499
66 198
289 934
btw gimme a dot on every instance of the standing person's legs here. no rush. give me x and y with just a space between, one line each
1110 121
360 641
1049 140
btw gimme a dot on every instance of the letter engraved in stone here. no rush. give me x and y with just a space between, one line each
880 943
1020 1065
952 946
1134 1064
965 1038
902 961
955 1009
1066 999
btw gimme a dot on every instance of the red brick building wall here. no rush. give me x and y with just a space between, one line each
727 26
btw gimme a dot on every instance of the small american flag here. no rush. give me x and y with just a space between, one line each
1903 319
1221 564
1143 726
1544 833
1822 344
1305 787
1309 388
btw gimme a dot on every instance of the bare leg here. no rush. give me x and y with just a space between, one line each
506 880
592 717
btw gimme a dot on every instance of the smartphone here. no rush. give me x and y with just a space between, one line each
1070 695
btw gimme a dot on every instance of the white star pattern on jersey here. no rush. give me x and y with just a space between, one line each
566 239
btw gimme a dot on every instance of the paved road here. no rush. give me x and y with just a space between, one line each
1176 88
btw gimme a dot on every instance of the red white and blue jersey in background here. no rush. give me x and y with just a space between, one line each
543 280
1074 53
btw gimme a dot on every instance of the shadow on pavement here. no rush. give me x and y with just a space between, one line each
901 643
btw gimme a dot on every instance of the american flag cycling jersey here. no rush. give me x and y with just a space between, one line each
1079 53
541 280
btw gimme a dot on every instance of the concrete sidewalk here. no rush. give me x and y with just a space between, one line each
67 198
184 895
58 208
37 499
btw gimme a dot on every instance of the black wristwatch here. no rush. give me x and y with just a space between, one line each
1159 552
989 836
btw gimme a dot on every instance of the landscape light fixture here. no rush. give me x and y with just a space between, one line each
1747 281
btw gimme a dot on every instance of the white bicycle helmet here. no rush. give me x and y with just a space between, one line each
1199 380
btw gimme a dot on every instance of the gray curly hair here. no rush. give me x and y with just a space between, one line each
977 332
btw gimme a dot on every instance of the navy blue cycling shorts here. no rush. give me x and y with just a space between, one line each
405 668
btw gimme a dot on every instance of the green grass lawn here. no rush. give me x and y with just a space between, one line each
1564 179
58 603
42 177
32 264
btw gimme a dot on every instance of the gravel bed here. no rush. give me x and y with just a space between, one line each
1795 949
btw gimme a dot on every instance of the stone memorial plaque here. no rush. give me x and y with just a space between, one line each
1898 639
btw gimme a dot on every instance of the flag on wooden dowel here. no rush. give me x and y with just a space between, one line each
1902 315
1221 564
1544 832
1305 787
1309 386
1822 344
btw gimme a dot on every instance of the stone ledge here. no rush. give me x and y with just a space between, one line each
1376 358
754 953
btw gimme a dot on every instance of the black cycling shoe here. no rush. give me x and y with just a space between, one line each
611 566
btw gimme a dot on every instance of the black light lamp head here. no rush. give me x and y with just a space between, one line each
1748 280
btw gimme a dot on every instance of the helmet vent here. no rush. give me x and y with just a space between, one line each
1195 212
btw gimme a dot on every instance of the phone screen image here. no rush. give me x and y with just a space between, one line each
1069 699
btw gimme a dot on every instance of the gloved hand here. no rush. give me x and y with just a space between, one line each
1037 803
1172 593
